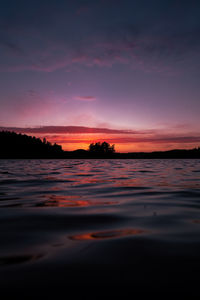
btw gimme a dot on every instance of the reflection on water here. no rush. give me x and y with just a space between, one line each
70 201
196 221
95 211
106 234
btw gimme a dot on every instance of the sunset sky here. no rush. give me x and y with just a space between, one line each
124 71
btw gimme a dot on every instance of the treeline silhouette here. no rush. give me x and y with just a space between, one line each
13 145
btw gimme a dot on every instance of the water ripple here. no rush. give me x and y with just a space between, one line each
65 212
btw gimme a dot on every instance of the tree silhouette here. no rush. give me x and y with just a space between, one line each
22 145
102 148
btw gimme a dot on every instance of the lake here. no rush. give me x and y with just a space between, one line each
100 222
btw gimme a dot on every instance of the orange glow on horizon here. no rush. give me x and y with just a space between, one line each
123 142
129 147
125 148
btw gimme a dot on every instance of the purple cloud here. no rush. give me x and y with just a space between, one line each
85 98
70 129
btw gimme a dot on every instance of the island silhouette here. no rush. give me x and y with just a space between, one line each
17 145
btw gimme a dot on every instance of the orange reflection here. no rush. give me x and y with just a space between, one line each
107 234
135 182
196 221
87 180
71 201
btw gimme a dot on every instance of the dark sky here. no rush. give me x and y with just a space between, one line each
124 65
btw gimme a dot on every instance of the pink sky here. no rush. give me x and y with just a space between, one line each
128 66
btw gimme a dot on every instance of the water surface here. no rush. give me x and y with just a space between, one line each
70 221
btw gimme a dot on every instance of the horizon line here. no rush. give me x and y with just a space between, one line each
125 140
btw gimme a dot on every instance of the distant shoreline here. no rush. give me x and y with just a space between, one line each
137 156
75 158
21 146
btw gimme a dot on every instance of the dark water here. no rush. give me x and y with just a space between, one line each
96 222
